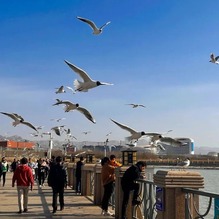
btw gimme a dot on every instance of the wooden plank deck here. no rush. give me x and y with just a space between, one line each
40 204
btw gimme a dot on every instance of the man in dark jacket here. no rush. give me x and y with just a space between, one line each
57 179
128 184
79 164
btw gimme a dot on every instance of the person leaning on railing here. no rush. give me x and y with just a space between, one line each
128 184
108 181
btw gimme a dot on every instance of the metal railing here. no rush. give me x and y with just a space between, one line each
147 195
190 196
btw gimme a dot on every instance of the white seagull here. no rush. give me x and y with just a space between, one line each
57 129
58 120
214 59
136 105
87 83
184 163
69 106
70 88
19 120
159 138
60 90
96 30
134 134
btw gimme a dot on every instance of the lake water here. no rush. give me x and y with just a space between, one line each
211 183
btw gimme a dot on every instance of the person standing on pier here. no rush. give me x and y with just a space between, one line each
3 170
24 177
128 184
57 179
113 161
108 181
79 165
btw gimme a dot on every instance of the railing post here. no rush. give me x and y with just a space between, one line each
86 172
98 187
170 198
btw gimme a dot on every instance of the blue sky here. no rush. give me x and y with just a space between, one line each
155 53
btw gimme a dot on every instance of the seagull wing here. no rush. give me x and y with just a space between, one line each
79 71
70 88
142 105
86 113
132 131
216 58
171 141
91 23
56 130
30 125
13 116
104 25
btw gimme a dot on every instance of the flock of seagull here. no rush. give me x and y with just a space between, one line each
84 85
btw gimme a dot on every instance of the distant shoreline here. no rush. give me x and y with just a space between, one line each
178 167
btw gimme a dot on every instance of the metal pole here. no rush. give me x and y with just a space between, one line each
50 146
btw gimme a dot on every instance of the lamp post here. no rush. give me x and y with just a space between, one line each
107 140
50 144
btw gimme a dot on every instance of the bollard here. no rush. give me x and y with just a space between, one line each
170 200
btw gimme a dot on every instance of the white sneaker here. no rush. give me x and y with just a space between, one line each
108 213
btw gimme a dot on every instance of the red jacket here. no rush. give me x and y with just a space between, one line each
23 175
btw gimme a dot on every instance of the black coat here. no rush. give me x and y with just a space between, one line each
57 176
131 174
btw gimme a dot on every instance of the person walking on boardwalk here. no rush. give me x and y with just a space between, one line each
4 169
128 184
57 179
79 165
14 165
23 176
108 179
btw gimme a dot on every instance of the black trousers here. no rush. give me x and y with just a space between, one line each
108 191
3 176
78 184
126 192
55 193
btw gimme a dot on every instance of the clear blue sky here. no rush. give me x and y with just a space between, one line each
155 53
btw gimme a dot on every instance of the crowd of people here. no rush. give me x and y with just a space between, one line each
25 172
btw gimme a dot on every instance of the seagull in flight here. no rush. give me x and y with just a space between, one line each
214 59
60 90
69 106
19 120
70 88
58 120
87 82
86 132
136 105
96 30
134 134
57 129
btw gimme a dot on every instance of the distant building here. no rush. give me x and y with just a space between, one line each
187 148
213 154
8 144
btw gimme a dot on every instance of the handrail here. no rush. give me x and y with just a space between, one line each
194 192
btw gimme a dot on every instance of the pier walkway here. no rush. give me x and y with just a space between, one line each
40 204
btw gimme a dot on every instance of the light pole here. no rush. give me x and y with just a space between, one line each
107 140
50 144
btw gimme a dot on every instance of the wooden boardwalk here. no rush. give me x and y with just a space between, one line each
40 204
